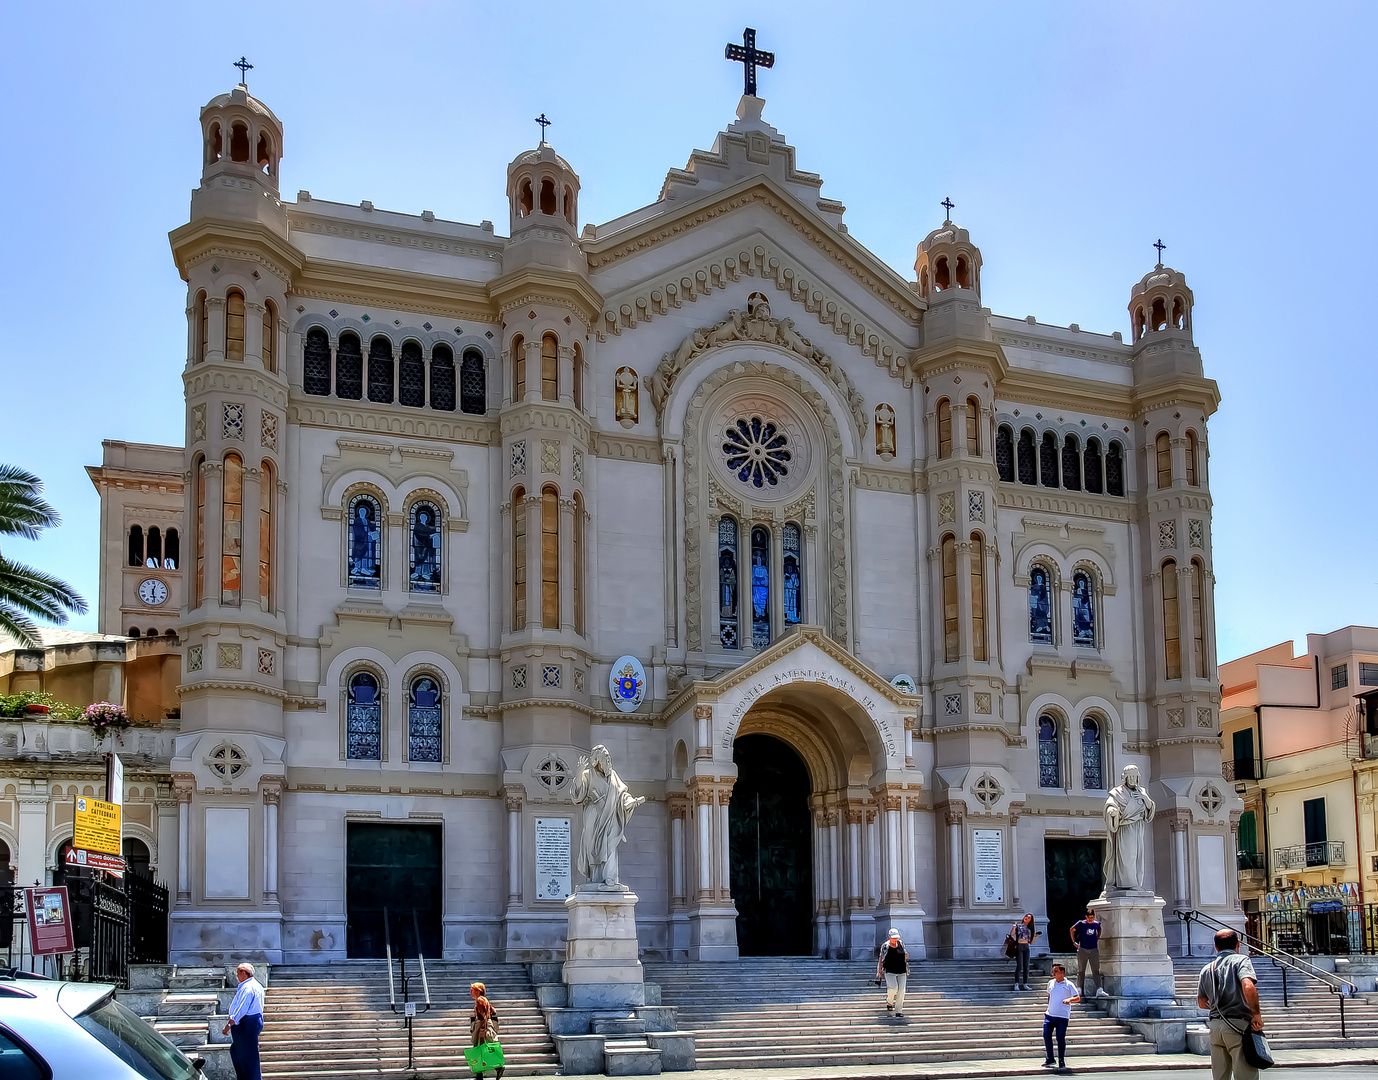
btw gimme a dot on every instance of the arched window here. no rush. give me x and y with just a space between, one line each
172 550
380 370
1083 610
727 582
264 156
137 856
270 336
1047 460
1028 466
1071 464
1114 470
1091 466
365 541
519 559
1004 454
315 362
239 142
978 597
547 196
473 387
443 378
942 279
153 550
232 532
577 570
198 475
1049 753
550 368
1158 320
1163 448
349 368
791 563
267 495
1092 768
411 376
944 428
1172 622
578 388
518 368
973 426
133 632
525 200
550 558
760 587
423 719
136 545
234 325
364 718
569 204
214 145
1178 309
202 339
952 642
1198 617
426 532
1191 459
1040 604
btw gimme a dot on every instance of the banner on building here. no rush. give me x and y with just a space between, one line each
95 860
50 921
96 826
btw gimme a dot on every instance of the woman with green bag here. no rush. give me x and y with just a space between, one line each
485 1053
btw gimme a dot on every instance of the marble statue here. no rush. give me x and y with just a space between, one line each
885 431
1128 811
608 807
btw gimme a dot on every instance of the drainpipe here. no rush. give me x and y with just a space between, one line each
1263 801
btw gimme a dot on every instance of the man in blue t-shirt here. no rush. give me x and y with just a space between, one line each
1086 935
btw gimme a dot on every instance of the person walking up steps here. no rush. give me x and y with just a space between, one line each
894 967
245 1025
1228 987
1024 936
1086 936
483 1026
1062 995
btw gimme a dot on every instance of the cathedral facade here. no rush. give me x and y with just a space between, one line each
871 593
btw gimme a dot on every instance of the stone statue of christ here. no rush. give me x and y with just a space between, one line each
608 807
1128 811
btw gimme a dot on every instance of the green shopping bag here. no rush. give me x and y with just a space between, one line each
485 1057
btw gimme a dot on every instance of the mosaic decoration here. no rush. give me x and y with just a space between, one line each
550 675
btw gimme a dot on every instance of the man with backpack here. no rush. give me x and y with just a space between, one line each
1228 987
893 966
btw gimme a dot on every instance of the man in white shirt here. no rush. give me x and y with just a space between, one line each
1061 996
245 1025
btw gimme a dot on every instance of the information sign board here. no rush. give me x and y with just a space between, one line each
50 920
552 859
95 860
96 826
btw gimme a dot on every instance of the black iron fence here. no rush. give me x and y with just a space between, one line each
1318 921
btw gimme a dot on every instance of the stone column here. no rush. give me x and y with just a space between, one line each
855 813
564 374
32 856
184 784
724 844
1016 809
892 849
168 836
873 856
212 525
703 808
512 799
215 328
954 817
678 808
911 888
1179 821
703 731
672 543
252 496
910 723
1232 851
253 331
535 618
964 635
567 511
270 787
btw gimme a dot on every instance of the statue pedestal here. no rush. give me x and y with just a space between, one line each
601 966
1134 960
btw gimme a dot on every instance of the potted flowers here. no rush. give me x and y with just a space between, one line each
103 718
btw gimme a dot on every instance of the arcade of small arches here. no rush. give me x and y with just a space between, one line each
416 383
1050 462
547 363
364 731
1056 745
232 342
232 534
154 550
1156 316
553 519
555 200
243 134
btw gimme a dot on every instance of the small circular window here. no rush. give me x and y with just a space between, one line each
757 451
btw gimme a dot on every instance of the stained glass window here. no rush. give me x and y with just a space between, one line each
1114 470
234 325
1047 460
1083 610
944 428
727 583
1191 458
757 451
1163 453
1049 755
380 371
364 720
1091 468
519 559
411 376
1040 605
973 426
423 719
426 547
791 561
267 493
550 368
518 368
978 597
760 587
1172 622
1071 464
349 368
1028 470
1092 775
315 368
473 387
270 322
1198 617
550 559
365 542
1004 454
232 532
952 642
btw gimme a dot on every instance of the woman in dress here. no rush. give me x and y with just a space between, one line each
483 1024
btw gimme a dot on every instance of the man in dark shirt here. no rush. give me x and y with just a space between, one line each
1086 936
893 966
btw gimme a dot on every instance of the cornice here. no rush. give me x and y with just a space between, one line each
538 285
209 237
962 354
534 418
1053 390
897 481
626 447
310 411
1061 501
1177 392
227 684
401 290
227 376
299 218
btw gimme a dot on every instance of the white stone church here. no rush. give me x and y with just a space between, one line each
905 583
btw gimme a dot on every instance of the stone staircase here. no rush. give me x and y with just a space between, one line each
807 1013
181 1002
1310 1021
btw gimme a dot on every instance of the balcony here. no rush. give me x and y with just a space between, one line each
1250 862
1304 856
1239 769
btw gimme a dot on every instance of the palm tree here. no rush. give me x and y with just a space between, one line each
25 591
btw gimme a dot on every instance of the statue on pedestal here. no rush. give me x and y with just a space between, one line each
608 807
1128 811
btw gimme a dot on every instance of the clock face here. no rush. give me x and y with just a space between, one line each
152 591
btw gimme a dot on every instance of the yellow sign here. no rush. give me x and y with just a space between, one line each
97 826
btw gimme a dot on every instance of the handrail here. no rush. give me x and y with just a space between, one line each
387 946
1282 960
420 959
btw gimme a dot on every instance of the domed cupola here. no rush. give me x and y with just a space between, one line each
1160 301
543 191
948 261
241 144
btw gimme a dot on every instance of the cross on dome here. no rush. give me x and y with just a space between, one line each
244 68
947 204
749 57
1160 245
544 124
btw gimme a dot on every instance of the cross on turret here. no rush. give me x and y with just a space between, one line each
749 56
947 204
1160 245
544 124
244 68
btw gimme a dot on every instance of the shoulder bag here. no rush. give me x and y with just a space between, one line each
1254 1043
1011 946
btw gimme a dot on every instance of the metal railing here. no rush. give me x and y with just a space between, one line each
409 1010
1283 961
1300 856
1239 769
1246 861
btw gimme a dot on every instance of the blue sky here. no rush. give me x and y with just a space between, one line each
1070 136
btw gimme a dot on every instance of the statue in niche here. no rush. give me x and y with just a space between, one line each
628 397
1128 812
885 431
608 807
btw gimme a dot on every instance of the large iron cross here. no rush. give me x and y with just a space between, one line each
749 56
544 124
244 68
1160 245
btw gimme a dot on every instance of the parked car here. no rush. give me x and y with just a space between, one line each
52 1030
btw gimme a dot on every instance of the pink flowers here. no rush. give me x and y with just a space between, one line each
103 717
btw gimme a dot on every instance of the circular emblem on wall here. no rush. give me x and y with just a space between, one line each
905 684
627 683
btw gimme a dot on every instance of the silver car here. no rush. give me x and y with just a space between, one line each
78 1031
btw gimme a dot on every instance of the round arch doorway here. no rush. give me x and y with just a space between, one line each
771 849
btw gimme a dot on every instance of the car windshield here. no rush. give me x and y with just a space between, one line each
136 1043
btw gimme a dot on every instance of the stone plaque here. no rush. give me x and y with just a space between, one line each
552 858
988 866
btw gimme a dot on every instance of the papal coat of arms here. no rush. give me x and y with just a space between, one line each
627 683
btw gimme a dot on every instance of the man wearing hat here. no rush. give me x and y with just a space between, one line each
893 966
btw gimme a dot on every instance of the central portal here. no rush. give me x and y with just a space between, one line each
771 849
393 869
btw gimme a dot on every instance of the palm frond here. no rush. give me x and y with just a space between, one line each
23 512
34 592
19 628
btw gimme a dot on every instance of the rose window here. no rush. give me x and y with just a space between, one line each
757 451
